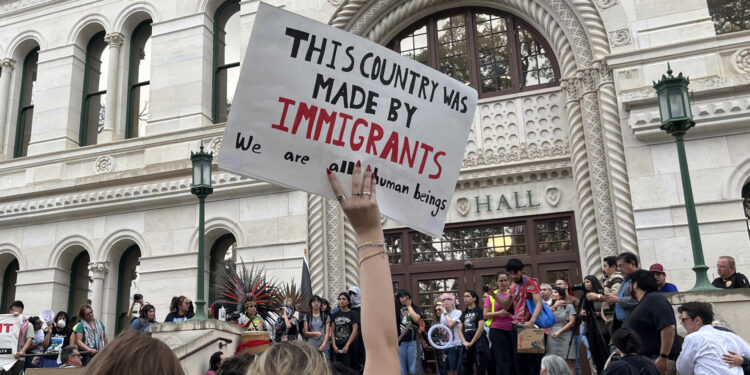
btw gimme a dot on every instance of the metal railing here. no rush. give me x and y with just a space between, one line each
222 344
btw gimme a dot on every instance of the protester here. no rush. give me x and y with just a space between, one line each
135 353
597 334
733 359
238 364
624 303
546 291
500 323
408 316
361 209
560 338
253 321
652 319
90 333
661 279
70 357
315 326
524 288
178 310
450 318
137 299
704 345
146 316
572 300
358 346
37 343
475 352
554 365
215 362
325 308
290 358
345 330
626 360
25 337
57 337
612 283
729 278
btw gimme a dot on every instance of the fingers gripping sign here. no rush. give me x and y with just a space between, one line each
361 206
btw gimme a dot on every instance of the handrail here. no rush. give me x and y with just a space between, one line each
196 350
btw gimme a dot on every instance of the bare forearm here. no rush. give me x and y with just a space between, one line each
667 339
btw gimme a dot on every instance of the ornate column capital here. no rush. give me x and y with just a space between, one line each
570 87
114 39
7 64
98 270
586 79
603 73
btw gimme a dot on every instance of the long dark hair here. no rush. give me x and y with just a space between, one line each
596 286
68 326
215 361
143 313
175 305
476 300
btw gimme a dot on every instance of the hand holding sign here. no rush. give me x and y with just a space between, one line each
312 97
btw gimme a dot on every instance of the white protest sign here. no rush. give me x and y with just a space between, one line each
312 97
10 327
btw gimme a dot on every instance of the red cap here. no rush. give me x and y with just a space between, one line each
656 267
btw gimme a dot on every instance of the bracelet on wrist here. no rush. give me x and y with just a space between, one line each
370 244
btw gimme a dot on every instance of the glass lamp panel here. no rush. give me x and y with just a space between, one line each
663 106
196 174
206 173
686 100
675 103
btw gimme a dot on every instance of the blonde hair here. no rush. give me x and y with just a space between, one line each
134 352
290 357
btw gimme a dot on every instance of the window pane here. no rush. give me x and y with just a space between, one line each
452 47
553 236
536 66
493 52
414 45
393 246
232 39
140 109
26 116
227 82
95 112
144 66
430 291
470 243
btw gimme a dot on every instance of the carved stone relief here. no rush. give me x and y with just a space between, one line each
742 60
104 164
619 38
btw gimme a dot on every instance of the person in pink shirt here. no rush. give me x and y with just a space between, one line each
500 322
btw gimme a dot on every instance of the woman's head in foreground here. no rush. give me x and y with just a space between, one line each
290 357
134 352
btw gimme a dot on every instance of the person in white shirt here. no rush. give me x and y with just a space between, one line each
704 345
546 291
450 317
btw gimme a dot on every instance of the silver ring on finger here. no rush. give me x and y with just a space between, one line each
340 198
358 194
367 193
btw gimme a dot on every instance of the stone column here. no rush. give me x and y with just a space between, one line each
114 40
597 158
618 172
6 67
98 272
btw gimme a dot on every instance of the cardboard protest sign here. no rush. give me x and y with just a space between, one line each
10 327
312 97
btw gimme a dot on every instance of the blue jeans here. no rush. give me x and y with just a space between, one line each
407 356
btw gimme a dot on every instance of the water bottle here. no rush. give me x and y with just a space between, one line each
223 314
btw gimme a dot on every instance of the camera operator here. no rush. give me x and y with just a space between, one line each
593 317
137 298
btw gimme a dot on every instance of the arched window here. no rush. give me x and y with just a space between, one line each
26 104
94 90
10 277
226 58
127 277
78 294
746 204
139 75
494 52
223 257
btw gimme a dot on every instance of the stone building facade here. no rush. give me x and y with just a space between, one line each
101 103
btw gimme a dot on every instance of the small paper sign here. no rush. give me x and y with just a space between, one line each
312 97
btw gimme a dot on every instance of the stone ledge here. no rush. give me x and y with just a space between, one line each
194 325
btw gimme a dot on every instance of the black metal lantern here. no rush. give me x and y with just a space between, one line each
201 172
674 102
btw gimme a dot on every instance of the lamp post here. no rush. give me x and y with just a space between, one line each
676 119
201 188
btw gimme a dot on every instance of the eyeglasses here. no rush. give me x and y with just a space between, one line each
446 299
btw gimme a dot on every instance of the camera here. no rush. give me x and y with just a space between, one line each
467 264
137 297
486 288
577 287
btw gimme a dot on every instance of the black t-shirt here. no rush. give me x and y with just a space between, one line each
470 320
652 314
632 364
405 322
175 317
737 280
343 325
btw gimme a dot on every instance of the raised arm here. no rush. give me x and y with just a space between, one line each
363 214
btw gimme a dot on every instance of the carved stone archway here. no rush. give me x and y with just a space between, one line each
579 40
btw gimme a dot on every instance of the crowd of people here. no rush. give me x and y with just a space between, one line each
620 324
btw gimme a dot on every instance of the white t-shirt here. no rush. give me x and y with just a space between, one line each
456 316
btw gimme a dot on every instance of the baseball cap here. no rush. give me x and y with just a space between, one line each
656 267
